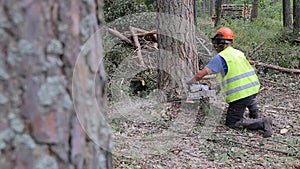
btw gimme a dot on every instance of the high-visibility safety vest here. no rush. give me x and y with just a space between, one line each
241 80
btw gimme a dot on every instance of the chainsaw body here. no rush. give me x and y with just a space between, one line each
198 92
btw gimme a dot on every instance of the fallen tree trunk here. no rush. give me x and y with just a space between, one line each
282 69
275 67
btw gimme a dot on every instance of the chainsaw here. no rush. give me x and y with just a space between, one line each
197 92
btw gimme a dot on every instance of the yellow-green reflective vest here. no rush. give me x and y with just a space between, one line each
241 80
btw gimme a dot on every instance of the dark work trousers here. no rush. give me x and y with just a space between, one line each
235 114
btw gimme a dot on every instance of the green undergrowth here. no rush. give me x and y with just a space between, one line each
117 9
279 48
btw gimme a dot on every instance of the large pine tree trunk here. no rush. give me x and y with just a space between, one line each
176 36
39 44
287 18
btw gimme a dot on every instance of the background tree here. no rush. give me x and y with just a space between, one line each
211 5
287 18
218 5
203 9
296 16
176 40
114 9
39 44
254 11
195 11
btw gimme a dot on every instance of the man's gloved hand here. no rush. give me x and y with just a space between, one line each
190 81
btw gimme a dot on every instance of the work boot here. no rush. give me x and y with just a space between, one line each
267 127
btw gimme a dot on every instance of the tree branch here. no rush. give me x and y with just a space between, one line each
275 67
282 69
138 45
119 35
250 53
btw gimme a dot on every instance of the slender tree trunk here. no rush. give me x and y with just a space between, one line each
296 16
195 11
287 17
39 44
254 11
204 8
176 36
209 8
212 7
218 9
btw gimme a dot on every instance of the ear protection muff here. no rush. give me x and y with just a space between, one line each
219 42
221 45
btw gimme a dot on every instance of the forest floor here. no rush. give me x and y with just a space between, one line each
148 134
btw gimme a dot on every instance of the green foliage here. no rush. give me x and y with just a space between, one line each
268 10
250 34
116 9
115 56
279 48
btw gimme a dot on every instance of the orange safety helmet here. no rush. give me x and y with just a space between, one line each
224 33
223 36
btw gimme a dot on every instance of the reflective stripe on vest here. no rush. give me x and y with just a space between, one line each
246 86
241 80
238 77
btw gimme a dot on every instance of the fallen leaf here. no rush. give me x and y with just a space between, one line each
143 82
283 131
260 159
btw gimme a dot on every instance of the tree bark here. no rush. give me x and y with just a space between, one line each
254 11
204 9
212 7
296 16
176 38
210 11
39 45
195 11
218 9
287 18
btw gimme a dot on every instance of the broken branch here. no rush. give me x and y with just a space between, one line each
282 69
119 35
250 53
138 45
257 63
282 108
